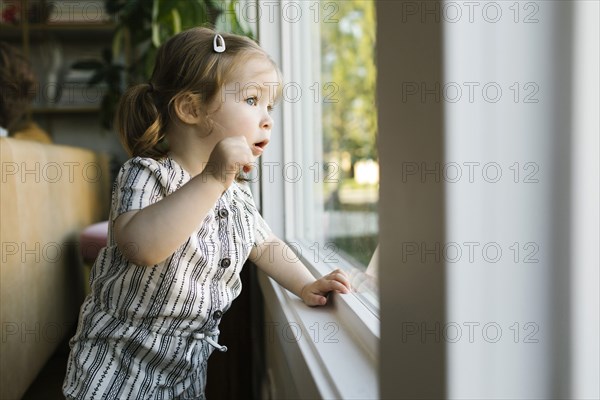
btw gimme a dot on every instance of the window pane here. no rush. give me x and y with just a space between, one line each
349 128
331 170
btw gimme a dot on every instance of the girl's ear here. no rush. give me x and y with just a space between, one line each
187 108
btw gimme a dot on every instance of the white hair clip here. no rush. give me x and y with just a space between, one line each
219 48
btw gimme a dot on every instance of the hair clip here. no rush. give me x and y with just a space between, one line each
219 48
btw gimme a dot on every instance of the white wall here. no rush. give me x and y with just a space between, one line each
519 214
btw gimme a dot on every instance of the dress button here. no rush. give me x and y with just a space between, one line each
226 262
217 315
223 213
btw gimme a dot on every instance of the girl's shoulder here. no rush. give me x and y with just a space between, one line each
162 165
144 163
166 172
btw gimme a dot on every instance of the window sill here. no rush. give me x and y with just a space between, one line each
330 351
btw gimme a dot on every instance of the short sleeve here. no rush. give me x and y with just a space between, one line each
140 182
261 230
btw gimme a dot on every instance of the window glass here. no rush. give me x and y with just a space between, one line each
349 127
334 137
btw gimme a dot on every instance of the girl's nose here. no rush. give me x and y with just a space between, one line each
267 121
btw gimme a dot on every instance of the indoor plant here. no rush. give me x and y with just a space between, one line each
141 27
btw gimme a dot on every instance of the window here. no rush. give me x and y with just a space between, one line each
330 170
303 153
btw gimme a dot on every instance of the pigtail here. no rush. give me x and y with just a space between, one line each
138 122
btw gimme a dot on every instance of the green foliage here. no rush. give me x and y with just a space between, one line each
360 248
142 26
149 23
350 120
348 43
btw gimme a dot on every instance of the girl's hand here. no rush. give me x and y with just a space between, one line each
315 294
227 158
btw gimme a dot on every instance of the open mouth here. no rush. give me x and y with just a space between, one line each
259 147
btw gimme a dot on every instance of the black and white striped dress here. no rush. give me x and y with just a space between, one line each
145 332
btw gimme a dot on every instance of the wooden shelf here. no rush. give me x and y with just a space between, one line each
63 30
68 33
66 110
70 26
105 25
9 27
10 31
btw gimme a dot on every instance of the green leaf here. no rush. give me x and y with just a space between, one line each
176 21
197 15
166 6
155 25
241 27
117 41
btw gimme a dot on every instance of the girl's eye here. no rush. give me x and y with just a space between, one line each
251 101
270 108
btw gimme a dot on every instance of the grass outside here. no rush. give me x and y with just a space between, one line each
359 248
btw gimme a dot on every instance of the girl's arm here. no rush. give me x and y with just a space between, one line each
273 258
150 235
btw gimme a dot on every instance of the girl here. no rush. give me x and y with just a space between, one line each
181 225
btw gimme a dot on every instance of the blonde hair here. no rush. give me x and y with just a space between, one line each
185 64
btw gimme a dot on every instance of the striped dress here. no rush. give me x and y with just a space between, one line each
146 332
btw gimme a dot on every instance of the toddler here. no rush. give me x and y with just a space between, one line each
182 223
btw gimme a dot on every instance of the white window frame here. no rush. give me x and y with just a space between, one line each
348 368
